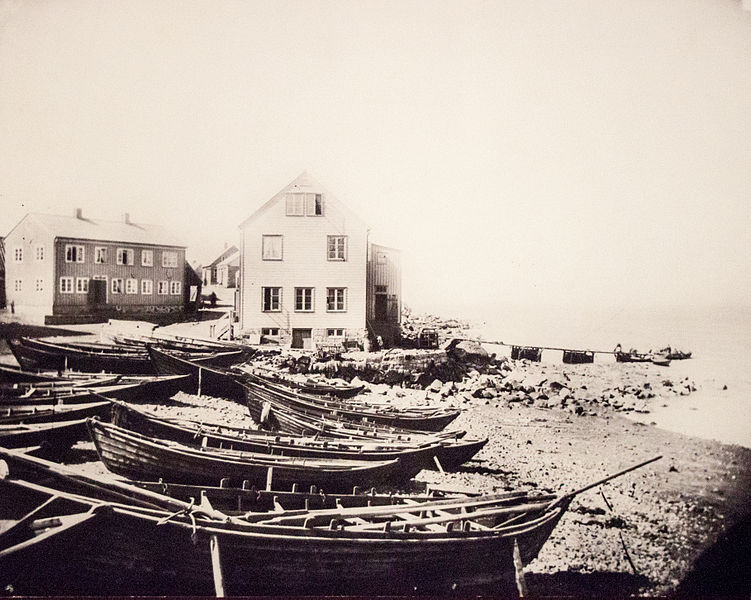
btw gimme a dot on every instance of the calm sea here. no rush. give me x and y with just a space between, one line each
720 339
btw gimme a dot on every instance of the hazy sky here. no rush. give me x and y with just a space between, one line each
591 151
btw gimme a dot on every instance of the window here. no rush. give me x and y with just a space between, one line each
272 331
39 253
304 299
163 288
66 285
39 285
131 286
100 255
174 287
169 259
272 247
335 333
337 247
313 205
117 286
18 285
73 254
272 299
381 258
336 299
147 258
295 205
380 289
82 285
18 255
147 287
124 256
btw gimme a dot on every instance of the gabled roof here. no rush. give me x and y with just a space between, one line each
304 182
106 231
233 260
222 256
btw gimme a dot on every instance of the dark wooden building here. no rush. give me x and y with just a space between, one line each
74 269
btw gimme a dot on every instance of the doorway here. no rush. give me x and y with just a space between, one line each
302 338
381 307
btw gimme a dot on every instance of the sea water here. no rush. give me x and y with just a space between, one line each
718 337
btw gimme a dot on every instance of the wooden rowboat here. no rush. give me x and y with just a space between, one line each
26 414
33 354
412 458
53 438
141 457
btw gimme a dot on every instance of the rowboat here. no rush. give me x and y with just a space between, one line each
26 414
141 457
433 419
412 458
310 386
64 543
207 379
53 438
150 388
632 357
33 353
10 374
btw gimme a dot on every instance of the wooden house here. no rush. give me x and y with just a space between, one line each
210 273
228 271
64 269
305 274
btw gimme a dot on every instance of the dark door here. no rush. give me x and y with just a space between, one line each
381 307
97 292
301 338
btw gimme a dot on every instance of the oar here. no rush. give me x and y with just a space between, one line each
570 495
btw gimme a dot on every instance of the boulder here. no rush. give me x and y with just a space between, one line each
435 386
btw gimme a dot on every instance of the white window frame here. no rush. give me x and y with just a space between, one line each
295 204
82 282
78 253
268 236
339 253
337 300
39 254
66 285
335 332
131 286
100 255
144 255
271 304
39 285
129 256
175 288
269 331
311 299
120 283
147 283
311 202
18 285
163 287
169 264
18 254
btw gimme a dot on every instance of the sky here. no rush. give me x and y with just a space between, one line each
569 152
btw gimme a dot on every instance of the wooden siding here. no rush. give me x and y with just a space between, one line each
304 264
384 269
29 302
111 270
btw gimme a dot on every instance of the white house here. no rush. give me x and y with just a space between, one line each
304 277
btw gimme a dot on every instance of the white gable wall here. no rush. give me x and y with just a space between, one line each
304 264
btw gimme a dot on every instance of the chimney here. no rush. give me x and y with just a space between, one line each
79 213
126 218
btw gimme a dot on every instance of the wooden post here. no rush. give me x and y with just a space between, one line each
216 567
269 477
199 380
521 584
438 464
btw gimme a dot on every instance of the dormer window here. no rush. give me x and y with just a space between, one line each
304 204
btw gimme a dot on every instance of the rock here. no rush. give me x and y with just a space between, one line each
435 386
448 388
